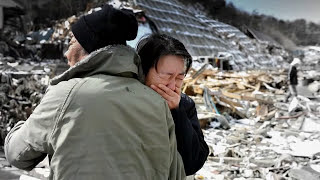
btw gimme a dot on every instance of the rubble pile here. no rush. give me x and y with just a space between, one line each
19 95
253 126
36 42
261 55
22 84
241 93
27 62
311 58
45 43
34 45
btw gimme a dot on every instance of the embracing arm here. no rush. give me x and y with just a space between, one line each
19 150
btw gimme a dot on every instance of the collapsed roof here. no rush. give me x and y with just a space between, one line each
260 36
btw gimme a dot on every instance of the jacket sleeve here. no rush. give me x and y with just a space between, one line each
191 145
176 167
27 143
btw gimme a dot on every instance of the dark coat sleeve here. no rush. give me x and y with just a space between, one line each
190 140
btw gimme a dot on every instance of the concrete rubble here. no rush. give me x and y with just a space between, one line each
254 127
19 95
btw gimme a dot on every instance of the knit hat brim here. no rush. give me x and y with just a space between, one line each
78 30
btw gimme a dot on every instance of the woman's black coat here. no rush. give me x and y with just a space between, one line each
190 140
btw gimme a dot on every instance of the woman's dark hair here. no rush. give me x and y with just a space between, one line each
151 48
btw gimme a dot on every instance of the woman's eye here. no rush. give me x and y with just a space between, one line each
165 76
180 77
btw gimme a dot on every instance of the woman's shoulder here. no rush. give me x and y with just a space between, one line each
186 101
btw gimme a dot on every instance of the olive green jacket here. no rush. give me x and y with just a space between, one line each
97 121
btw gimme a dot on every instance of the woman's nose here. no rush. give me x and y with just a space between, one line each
172 84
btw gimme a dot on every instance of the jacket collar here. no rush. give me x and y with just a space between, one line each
117 60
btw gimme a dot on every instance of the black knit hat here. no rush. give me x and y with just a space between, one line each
105 27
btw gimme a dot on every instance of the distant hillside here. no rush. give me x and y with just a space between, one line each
299 31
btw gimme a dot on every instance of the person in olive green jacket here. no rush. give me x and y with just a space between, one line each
96 120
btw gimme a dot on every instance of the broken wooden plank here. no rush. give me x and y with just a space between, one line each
291 117
234 160
262 110
247 98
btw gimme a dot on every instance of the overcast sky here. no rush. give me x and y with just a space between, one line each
283 9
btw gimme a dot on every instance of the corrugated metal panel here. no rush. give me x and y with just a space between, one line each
248 52
229 31
173 19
